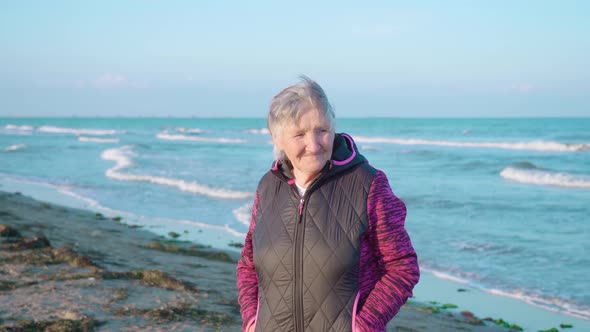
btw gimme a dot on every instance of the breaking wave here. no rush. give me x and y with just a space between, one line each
122 157
243 214
20 128
531 146
224 228
552 304
98 140
169 137
261 131
60 130
189 130
17 130
15 147
539 177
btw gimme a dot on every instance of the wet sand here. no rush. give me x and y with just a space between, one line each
64 269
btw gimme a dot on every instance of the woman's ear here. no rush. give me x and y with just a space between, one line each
276 141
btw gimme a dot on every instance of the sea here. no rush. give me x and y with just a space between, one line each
502 205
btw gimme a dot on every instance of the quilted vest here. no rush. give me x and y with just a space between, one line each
307 249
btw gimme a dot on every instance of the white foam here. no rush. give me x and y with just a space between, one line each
60 130
20 128
369 148
98 140
122 157
119 155
550 304
445 276
169 137
130 218
189 130
88 203
261 131
243 214
531 146
224 228
17 130
538 177
15 147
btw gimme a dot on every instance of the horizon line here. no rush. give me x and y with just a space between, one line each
264 117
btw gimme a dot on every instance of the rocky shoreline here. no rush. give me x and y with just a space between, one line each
64 269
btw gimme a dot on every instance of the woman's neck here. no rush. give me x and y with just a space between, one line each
304 179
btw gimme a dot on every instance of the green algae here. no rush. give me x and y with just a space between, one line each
177 313
85 324
151 278
192 251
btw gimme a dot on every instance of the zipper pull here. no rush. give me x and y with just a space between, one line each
301 208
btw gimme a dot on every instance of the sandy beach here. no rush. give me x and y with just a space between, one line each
66 269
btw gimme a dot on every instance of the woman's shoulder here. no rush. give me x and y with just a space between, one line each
267 179
365 171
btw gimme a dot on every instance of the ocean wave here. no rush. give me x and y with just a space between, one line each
189 130
243 214
17 130
485 247
129 217
526 165
98 140
544 146
20 128
477 247
224 228
60 130
169 137
122 157
261 131
548 303
446 276
89 203
15 147
552 304
369 148
539 177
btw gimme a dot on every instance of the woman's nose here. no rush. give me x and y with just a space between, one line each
313 143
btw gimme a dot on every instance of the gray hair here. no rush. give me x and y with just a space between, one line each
290 104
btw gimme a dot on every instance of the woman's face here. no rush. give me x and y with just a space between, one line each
307 144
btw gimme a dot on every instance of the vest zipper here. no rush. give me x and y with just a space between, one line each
298 266
301 201
298 259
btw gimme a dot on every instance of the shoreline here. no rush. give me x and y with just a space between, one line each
429 289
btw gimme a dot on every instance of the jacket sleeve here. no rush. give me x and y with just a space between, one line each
247 279
392 248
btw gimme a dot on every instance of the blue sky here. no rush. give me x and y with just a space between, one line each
227 59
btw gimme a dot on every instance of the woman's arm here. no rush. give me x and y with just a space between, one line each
392 248
247 278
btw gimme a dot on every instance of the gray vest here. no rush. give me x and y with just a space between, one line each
307 253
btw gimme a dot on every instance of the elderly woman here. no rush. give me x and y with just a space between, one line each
326 249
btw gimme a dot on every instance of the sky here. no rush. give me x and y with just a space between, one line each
469 58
